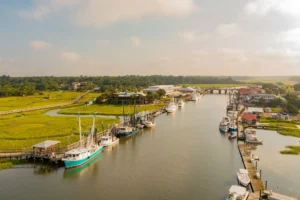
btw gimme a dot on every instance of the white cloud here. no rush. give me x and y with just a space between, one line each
39 45
71 57
228 30
135 41
263 7
43 8
188 36
105 12
292 36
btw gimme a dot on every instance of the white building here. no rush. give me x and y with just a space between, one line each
168 88
187 89
266 97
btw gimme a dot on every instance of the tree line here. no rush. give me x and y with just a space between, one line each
19 86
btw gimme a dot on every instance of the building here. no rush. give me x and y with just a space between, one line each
168 88
246 94
266 97
77 85
254 110
129 97
249 118
187 90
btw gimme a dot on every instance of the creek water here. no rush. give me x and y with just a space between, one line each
183 157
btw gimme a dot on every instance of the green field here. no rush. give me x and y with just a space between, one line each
90 96
46 98
104 109
216 86
25 129
286 82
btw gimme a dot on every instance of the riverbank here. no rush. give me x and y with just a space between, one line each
6 164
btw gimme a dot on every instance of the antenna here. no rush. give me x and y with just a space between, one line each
79 124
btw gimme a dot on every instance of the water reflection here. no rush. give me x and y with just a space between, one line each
44 169
77 172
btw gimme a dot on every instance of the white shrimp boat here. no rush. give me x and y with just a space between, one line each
149 124
243 177
107 141
237 193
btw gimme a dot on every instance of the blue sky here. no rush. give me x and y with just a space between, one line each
169 37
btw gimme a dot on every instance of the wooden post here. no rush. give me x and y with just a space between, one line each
256 165
260 174
266 185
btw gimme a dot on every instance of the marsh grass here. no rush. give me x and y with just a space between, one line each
25 129
294 150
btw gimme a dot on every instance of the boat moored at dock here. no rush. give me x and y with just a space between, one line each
149 124
171 107
243 178
126 131
83 154
237 193
108 140
181 103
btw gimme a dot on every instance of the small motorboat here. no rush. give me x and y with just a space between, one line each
180 103
157 114
243 177
237 193
232 135
149 124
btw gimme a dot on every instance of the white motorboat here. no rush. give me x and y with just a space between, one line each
194 97
171 107
180 103
243 177
251 137
237 193
149 124
223 126
157 114
108 141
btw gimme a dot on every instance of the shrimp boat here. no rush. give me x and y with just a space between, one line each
181 103
171 106
83 153
237 193
243 177
126 131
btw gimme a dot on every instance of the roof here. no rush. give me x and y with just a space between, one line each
237 190
46 144
255 109
249 116
250 90
128 94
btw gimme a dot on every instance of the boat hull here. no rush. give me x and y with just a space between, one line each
75 163
112 143
127 134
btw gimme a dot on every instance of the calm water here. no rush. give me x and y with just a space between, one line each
184 157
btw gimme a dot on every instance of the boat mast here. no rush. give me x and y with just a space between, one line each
79 124
123 112
93 128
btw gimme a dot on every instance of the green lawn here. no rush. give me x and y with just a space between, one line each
25 129
90 96
216 86
105 109
47 98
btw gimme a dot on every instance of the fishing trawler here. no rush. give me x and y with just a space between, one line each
83 153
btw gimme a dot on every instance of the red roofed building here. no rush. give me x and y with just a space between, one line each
249 118
246 94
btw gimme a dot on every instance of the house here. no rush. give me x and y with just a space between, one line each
74 86
249 118
283 116
246 94
266 97
129 97
254 110
168 88
96 89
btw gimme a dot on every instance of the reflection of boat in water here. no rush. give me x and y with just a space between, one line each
80 170
83 154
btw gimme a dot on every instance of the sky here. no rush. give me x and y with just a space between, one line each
145 37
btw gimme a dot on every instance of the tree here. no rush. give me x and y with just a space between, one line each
292 109
268 91
297 87
161 93
262 101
